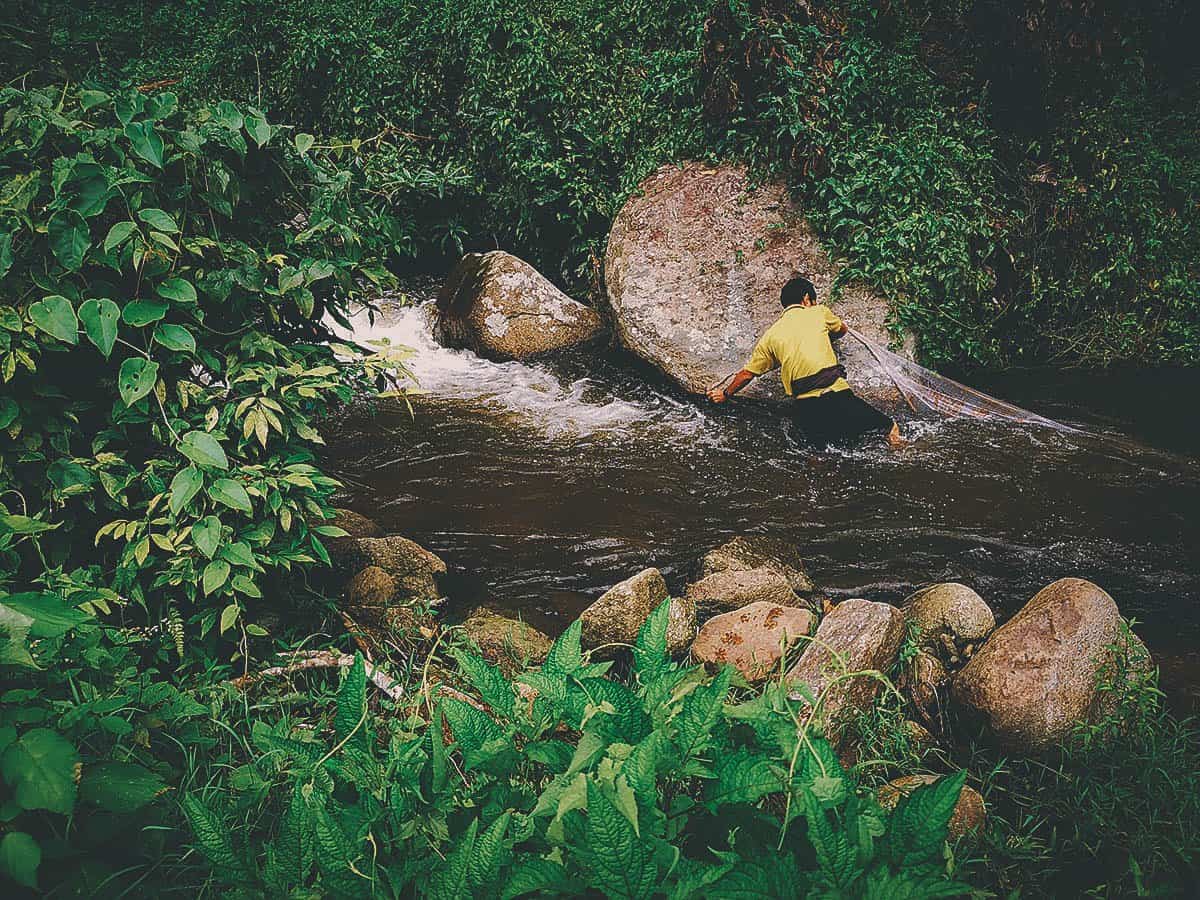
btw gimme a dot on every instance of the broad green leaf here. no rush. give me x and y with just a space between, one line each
42 768
145 142
258 129
118 234
91 99
120 787
304 142
6 256
566 654
14 630
238 553
229 615
158 219
20 857
136 379
178 289
69 238
207 535
143 312
70 478
99 318
650 651
49 615
228 115
175 337
90 189
55 316
25 524
8 411
201 447
621 864
184 486
216 573
129 105
231 493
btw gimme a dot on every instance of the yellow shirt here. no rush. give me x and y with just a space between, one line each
798 345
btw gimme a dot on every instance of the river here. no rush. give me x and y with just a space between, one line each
544 484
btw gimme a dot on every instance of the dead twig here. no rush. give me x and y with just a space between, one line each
324 659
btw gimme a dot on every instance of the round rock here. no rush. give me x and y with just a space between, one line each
969 812
752 639
502 308
619 613
949 609
734 588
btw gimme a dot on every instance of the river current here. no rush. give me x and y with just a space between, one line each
544 484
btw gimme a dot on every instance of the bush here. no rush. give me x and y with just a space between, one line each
164 277
568 782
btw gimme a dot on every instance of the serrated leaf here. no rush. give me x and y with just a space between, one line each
232 494
449 879
215 574
650 650
56 316
136 379
488 855
351 700
493 687
535 874
917 828
99 318
69 237
143 312
620 864
204 449
184 486
566 654
42 767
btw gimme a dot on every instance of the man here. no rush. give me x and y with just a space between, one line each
799 344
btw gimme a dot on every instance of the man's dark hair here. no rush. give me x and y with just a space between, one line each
795 291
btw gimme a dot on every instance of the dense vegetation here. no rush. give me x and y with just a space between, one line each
1021 179
167 258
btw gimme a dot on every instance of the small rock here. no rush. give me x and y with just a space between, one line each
752 639
949 616
355 524
372 588
743 553
1036 678
505 641
969 812
864 635
925 680
735 588
618 615
501 307
414 569
919 737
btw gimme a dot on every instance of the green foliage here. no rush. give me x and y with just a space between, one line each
160 471
650 787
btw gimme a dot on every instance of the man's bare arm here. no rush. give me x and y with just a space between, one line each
740 380
839 334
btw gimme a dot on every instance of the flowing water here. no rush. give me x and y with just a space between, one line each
544 484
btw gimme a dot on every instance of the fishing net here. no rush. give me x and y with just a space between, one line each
928 392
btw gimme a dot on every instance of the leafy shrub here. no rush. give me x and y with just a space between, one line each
162 281
567 781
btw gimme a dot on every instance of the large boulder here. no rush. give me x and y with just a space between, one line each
501 307
753 552
1037 676
694 265
864 636
619 613
355 524
508 642
951 620
734 588
969 812
414 569
752 639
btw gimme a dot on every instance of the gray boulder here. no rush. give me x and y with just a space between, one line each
1037 676
619 613
693 268
864 636
502 308
752 552
752 639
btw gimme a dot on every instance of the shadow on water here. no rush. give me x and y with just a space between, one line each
545 484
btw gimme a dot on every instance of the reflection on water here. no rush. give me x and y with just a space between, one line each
546 484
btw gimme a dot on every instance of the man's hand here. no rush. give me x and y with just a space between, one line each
718 395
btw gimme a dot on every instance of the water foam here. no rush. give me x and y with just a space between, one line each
534 392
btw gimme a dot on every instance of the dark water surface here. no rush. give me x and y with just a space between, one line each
546 484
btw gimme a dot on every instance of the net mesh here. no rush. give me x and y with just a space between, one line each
928 392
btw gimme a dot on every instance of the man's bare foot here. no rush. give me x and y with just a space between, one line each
895 438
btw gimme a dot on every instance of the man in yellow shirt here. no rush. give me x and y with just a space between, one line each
800 345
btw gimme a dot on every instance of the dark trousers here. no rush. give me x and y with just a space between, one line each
837 417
